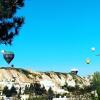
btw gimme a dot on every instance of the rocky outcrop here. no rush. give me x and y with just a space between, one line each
55 80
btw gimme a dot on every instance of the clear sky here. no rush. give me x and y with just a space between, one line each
58 36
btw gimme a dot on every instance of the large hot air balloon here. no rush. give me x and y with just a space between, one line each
8 56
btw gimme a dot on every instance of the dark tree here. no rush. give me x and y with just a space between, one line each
5 90
9 23
26 91
13 91
43 90
71 89
31 88
19 93
37 89
50 94
9 92
88 89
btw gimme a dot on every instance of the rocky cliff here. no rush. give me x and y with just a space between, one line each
48 79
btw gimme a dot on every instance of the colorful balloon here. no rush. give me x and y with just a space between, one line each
8 56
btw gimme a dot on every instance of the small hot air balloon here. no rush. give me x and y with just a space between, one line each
88 61
8 56
93 49
74 71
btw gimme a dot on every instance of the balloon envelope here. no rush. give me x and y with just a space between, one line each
88 61
93 49
8 56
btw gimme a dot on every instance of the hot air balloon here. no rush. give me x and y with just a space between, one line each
8 56
93 49
88 61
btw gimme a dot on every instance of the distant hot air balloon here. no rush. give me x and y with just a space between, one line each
93 49
88 61
8 56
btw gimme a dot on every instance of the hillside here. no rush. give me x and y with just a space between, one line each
55 80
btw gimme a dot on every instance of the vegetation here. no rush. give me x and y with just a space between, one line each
96 83
41 93
9 23
38 98
35 89
79 91
87 91
50 94
19 93
9 92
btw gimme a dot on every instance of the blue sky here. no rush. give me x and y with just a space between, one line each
57 36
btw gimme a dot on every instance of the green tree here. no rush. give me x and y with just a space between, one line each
5 90
26 91
13 91
9 92
31 88
19 93
96 83
37 88
71 89
43 90
50 94
9 23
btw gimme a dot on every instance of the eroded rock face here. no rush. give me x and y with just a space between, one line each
55 80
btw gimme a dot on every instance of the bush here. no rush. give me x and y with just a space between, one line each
38 98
